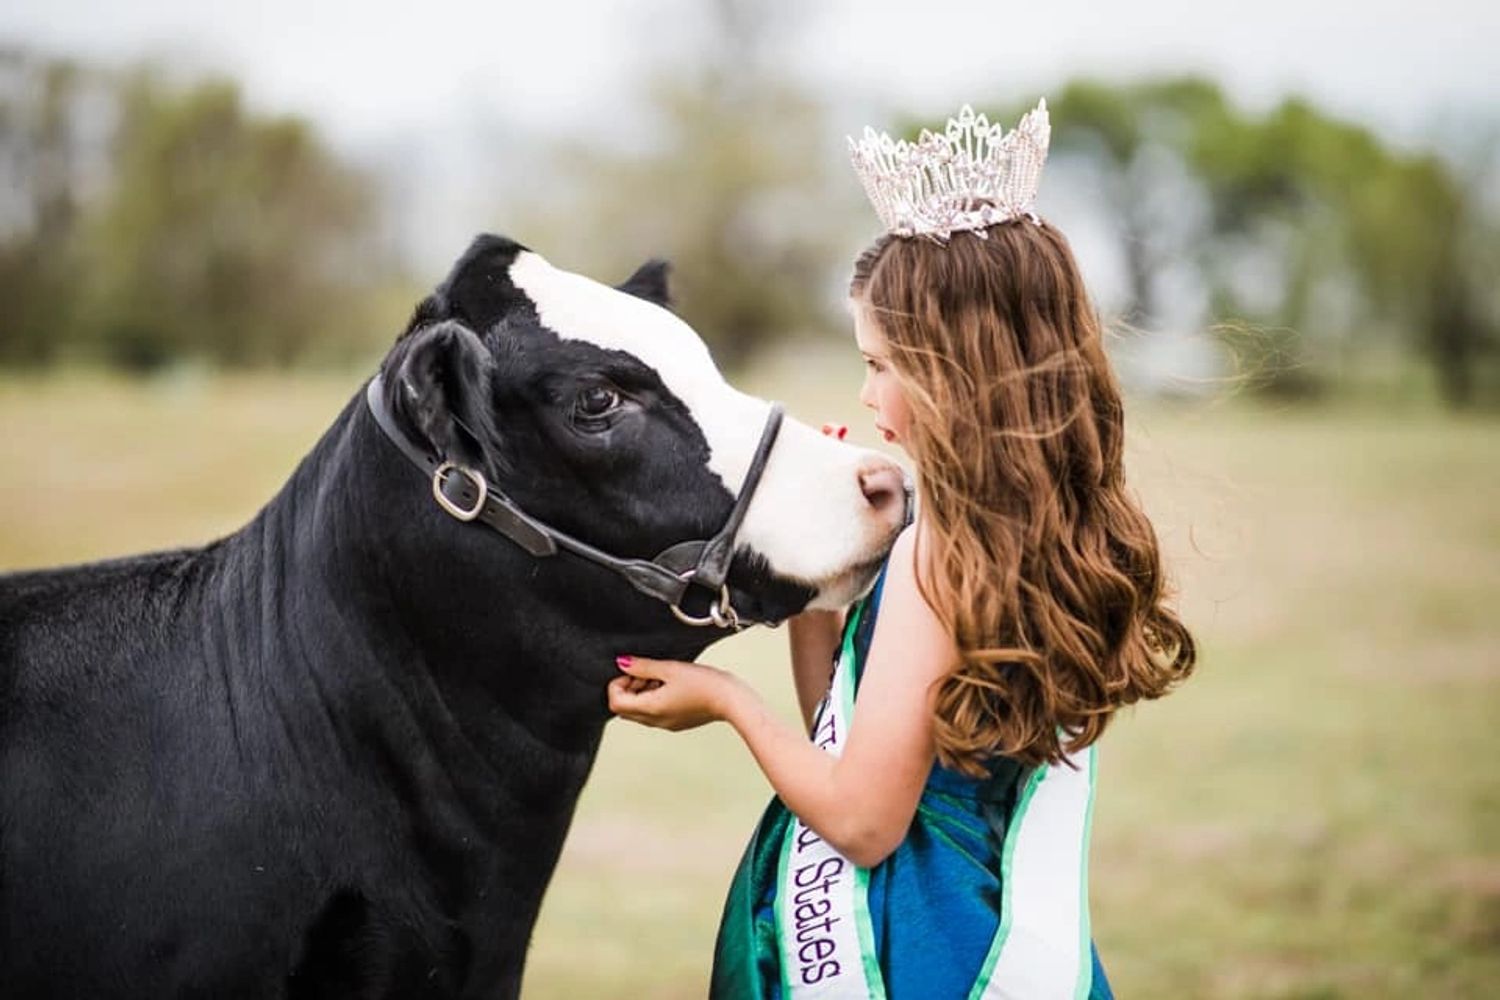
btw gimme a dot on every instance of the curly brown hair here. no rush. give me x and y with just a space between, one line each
1039 561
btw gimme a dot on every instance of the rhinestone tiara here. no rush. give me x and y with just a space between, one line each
969 176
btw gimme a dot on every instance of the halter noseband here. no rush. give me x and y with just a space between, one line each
463 492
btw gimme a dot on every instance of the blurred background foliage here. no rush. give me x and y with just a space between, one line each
1317 244
153 219
149 221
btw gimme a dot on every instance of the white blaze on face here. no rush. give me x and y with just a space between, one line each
809 516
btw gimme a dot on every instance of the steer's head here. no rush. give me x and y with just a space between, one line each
600 412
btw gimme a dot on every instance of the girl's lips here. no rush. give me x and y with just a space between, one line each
887 434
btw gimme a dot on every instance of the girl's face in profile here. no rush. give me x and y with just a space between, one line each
881 391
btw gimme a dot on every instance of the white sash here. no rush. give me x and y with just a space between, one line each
822 909
1043 949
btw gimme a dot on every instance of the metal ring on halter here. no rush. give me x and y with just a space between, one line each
720 613
476 478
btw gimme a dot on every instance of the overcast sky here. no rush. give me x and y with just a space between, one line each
430 91
367 69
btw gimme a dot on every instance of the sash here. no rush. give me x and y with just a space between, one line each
822 902
1043 947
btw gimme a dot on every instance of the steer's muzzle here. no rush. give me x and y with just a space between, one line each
884 486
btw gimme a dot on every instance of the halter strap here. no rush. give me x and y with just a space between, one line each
465 494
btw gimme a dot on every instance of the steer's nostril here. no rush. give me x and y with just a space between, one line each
885 488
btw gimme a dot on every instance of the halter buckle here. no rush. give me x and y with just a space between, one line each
476 479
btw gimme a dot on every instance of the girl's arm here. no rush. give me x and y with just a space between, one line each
862 802
813 637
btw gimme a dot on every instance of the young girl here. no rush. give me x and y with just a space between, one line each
931 839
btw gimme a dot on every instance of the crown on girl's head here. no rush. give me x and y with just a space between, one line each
970 176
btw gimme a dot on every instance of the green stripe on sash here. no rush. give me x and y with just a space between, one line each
779 907
1086 934
873 979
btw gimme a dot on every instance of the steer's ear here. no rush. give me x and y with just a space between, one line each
443 384
649 282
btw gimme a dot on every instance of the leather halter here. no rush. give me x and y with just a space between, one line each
463 492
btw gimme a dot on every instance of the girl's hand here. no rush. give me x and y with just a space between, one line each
670 694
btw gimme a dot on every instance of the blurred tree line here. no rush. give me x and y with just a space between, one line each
1318 244
145 222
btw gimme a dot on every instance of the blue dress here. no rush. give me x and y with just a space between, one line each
986 897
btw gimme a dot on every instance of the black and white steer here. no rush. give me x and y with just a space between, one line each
335 754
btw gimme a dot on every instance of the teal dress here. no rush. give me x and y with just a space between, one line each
986 897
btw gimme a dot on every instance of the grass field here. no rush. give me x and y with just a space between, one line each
1316 814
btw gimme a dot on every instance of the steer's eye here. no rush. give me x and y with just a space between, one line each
596 401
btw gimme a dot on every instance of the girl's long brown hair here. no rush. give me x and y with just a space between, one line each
1039 561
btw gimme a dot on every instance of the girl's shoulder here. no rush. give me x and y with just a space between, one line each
898 614
862 614
897 583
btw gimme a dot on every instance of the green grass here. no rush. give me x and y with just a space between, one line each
1315 814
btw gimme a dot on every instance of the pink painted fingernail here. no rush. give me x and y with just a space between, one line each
842 431
623 662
